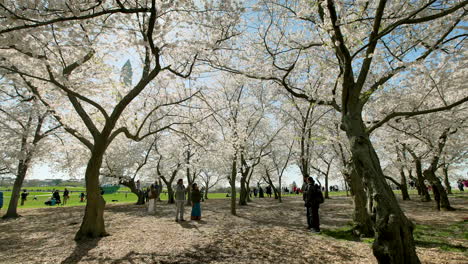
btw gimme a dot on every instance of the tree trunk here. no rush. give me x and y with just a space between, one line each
23 167
170 194
442 201
403 185
232 182
346 188
280 189
131 185
275 192
189 182
446 180
394 241
326 187
243 191
425 197
93 220
205 193
363 224
249 200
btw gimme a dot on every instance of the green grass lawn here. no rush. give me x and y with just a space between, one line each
118 197
429 236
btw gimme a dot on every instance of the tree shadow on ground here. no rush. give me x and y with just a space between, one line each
442 245
81 250
345 233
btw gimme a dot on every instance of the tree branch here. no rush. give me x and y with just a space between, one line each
415 113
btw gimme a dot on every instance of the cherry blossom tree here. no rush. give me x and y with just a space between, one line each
65 54
361 48
26 130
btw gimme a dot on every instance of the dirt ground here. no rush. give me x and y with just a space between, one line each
263 232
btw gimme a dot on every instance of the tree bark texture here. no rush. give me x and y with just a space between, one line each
327 196
425 197
243 196
363 224
92 225
23 166
232 182
394 241
446 179
403 185
440 196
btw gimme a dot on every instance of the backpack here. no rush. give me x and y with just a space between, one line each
320 198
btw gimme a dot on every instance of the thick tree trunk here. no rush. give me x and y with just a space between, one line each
249 200
243 191
189 187
394 241
403 185
425 197
93 220
170 194
275 192
132 186
363 224
446 180
440 196
23 166
141 197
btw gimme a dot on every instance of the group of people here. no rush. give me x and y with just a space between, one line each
55 199
180 197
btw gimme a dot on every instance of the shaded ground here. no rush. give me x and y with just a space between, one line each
264 232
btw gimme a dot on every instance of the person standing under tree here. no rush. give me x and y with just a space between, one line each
152 199
313 198
268 191
196 207
179 195
66 195
24 195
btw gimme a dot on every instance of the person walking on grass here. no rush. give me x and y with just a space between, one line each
196 206
312 199
24 196
179 195
66 195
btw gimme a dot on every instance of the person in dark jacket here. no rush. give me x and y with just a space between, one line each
196 206
268 191
66 195
24 196
260 192
313 198
56 196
